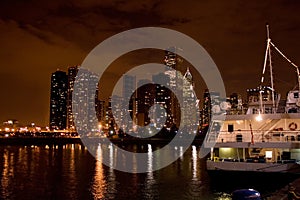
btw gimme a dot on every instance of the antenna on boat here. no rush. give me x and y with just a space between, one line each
268 54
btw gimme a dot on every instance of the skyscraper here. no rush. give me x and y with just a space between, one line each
175 82
206 110
58 100
189 113
145 99
100 110
72 72
163 98
129 86
84 102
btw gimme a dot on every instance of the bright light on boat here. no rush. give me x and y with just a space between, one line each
258 118
239 121
269 154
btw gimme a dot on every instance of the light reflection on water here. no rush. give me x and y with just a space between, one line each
70 172
99 183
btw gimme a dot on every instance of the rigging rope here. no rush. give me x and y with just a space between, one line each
284 55
287 59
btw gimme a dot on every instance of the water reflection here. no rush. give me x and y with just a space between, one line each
6 175
70 172
150 160
194 162
181 152
111 155
150 191
99 183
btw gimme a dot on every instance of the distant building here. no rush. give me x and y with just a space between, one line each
145 99
109 119
173 71
72 72
10 125
129 86
117 117
206 109
190 111
63 100
101 108
234 100
163 98
235 104
58 100
83 100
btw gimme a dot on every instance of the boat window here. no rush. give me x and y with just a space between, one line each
268 110
230 128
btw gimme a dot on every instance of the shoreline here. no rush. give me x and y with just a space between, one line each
39 140
78 140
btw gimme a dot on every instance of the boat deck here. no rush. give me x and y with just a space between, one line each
254 139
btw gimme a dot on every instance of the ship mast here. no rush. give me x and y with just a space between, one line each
267 54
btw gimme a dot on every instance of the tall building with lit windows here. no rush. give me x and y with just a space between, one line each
206 110
100 110
58 100
163 98
129 86
84 102
145 99
72 72
172 62
189 113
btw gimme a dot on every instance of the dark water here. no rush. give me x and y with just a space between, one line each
70 172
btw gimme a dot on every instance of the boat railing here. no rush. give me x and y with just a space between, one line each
254 136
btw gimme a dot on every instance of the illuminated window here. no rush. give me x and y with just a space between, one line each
268 154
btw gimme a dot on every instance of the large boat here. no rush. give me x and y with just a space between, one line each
264 136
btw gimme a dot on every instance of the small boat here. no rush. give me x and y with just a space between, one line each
245 194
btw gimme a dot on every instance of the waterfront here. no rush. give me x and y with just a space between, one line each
70 172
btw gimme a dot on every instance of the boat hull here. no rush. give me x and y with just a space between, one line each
293 168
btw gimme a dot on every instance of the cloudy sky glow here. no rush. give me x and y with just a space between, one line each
37 37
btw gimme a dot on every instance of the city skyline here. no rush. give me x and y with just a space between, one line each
37 38
141 94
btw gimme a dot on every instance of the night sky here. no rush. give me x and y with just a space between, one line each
38 37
